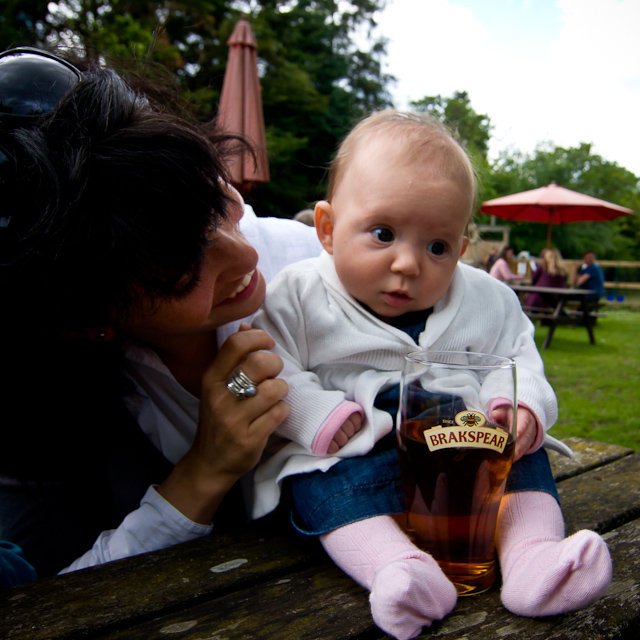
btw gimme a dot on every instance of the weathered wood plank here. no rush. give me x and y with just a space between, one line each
291 574
96 598
604 498
588 455
325 605
315 603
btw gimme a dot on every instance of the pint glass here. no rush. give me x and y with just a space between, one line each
456 438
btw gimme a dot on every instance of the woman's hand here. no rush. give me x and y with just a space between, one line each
232 432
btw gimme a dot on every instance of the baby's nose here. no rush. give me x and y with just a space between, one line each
406 262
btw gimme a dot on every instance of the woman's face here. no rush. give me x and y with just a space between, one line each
230 287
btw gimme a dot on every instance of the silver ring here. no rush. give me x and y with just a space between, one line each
240 385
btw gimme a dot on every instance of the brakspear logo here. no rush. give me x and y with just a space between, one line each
469 431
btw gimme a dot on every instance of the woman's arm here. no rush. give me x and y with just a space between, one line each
501 271
232 432
156 524
231 436
582 279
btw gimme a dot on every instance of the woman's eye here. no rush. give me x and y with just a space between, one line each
437 248
383 235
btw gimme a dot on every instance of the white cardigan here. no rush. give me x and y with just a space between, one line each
334 350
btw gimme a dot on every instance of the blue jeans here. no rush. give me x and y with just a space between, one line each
368 486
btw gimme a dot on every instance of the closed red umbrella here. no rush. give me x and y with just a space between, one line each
554 205
240 109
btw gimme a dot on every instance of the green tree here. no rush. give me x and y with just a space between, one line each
315 81
316 85
579 169
23 22
472 129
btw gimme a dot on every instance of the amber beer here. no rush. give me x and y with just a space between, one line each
455 462
452 499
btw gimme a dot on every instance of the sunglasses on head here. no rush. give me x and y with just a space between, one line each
32 83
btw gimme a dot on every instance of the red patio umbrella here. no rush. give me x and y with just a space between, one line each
554 205
240 109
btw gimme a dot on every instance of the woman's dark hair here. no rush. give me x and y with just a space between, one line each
505 250
112 204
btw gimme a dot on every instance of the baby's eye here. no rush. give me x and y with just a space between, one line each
383 235
437 248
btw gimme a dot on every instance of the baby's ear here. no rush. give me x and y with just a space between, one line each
465 244
323 217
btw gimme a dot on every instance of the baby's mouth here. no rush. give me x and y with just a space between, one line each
396 298
401 295
246 281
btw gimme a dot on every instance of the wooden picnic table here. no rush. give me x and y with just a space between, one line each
263 582
558 313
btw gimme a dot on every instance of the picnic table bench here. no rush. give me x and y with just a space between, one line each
263 582
560 313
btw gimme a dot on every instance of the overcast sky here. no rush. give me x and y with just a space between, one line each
567 71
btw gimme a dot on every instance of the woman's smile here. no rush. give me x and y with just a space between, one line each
245 288
246 281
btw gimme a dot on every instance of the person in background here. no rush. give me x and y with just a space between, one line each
589 275
501 269
305 216
550 273
490 259
133 404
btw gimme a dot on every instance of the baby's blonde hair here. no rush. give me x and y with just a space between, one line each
423 136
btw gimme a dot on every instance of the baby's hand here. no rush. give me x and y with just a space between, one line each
350 427
527 427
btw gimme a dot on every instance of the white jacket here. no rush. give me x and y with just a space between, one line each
334 350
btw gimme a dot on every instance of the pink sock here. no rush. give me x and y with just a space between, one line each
408 588
543 573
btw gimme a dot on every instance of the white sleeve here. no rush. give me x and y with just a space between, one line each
156 524
534 389
283 316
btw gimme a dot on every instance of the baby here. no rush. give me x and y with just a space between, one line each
401 194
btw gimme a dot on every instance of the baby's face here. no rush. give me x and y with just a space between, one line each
396 231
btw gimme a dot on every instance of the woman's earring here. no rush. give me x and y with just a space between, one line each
104 334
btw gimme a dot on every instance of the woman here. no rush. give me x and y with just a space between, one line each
501 269
551 273
126 419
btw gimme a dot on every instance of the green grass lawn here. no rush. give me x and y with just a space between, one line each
598 386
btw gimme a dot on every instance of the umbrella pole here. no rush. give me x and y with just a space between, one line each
549 236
